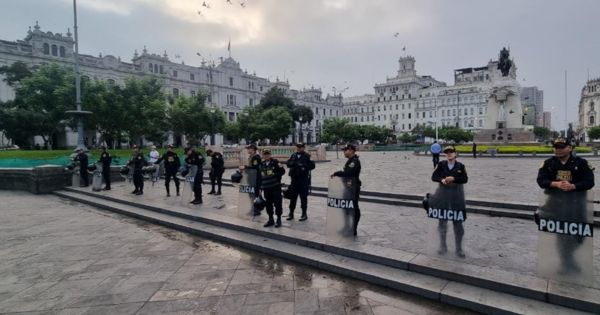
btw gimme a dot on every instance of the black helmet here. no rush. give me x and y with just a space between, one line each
92 167
259 203
236 177
124 170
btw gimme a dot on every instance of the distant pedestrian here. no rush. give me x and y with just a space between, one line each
435 149
474 150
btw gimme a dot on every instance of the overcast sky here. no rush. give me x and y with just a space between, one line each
342 43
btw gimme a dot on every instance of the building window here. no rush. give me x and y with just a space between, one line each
472 111
409 116
591 120
46 49
480 110
54 50
62 51
175 92
175 73
466 111
192 77
231 116
230 81
409 126
155 68
480 123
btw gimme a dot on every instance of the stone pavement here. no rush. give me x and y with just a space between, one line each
59 257
496 179
498 242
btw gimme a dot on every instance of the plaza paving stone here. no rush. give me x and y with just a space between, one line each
61 257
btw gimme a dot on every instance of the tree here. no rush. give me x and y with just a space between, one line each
15 73
541 133
455 134
191 117
304 112
421 129
274 124
594 132
275 97
406 137
335 130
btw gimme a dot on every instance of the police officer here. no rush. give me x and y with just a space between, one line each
450 173
300 166
254 163
171 164
565 178
82 158
217 167
352 170
270 184
106 160
435 149
193 158
138 161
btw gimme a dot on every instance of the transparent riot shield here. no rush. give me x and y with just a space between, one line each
76 177
187 193
97 178
341 204
128 177
247 193
565 236
446 214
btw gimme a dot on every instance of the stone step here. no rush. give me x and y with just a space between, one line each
525 286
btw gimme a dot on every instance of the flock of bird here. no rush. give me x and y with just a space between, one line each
206 6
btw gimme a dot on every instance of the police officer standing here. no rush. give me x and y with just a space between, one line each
299 165
270 184
254 163
138 161
565 179
171 164
106 160
217 167
352 170
82 158
193 158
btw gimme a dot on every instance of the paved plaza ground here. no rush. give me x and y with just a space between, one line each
59 257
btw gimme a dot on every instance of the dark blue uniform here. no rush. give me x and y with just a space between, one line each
271 173
217 168
299 165
196 159
106 160
138 161
172 164
83 168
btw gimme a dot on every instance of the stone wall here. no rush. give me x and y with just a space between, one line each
38 180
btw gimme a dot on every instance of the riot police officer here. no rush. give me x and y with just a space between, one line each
254 163
270 184
171 164
82 158
138 161
565 178
299 165
352 170
106 160
217 167
193 158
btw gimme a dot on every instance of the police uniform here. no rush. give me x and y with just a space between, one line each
172 164
299 165
352 170
83 168
138 161
254 163
106 160
570 206
448 197
217 165
198 160
270 184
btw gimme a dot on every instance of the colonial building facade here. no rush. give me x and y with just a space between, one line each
589 106
225 84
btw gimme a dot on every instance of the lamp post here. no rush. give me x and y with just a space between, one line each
78 113
212 126
300 119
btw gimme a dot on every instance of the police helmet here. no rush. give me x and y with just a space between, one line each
236 177
259 203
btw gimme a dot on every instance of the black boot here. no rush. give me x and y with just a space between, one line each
218 191
270 222
168 192
290 216
459 251
304 217
212 191
177 190
278 222
197 201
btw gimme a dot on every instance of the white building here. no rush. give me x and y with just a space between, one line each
408 99
225 84
589 106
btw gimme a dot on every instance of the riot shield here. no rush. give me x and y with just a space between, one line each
187 193
97 178
247 193
565 236
446 214
341 203
76 177
128 177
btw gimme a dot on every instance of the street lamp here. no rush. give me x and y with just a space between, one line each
212 126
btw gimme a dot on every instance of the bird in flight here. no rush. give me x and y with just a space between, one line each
396 35
200 13
204 4
243 4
